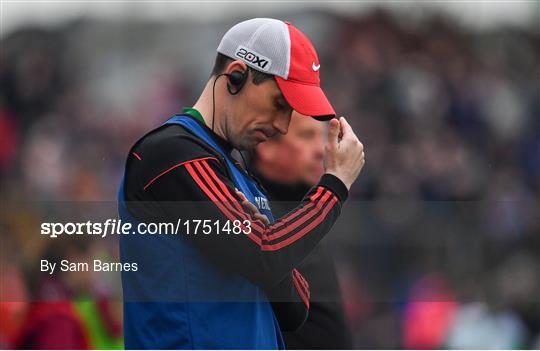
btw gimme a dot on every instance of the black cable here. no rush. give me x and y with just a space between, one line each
214 98
247 168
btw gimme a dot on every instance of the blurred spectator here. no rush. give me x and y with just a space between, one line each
477 326
428 314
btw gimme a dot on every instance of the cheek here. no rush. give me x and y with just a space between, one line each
253 101
307 158
251 114
260 108
292 151
309 155
300 146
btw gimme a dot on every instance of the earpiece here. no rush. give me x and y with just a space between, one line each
237 79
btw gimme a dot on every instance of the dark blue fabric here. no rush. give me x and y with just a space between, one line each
244 183
177 300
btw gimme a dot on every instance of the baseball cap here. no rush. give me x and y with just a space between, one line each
278 48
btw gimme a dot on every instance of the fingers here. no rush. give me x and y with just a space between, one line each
240 195
251 209
346 128
348 134
259 216
246 204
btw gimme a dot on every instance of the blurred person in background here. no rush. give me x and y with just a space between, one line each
51 321
428 314
13 292
287 167
65 311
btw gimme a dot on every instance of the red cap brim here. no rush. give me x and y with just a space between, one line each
306 99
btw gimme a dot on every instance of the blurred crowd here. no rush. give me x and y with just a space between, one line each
439 245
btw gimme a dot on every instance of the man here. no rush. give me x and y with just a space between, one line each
210 288
287 167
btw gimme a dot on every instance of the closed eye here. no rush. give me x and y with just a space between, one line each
281 105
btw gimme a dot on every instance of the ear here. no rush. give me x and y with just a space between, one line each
236 65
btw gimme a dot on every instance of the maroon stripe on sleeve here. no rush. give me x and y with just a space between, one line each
304 231
224 210
171 168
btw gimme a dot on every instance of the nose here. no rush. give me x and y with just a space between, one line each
282 121
319 148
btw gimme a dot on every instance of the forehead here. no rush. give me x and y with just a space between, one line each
302 122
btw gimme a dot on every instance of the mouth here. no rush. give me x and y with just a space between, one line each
263 134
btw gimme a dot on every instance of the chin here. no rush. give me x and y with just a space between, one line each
247 145
241 144
249 142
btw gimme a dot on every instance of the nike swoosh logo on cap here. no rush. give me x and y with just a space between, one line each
315 67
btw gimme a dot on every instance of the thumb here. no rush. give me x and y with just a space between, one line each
333 133
240 195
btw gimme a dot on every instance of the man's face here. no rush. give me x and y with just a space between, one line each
298 155
256 114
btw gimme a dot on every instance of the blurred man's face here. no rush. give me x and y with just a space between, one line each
296 156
